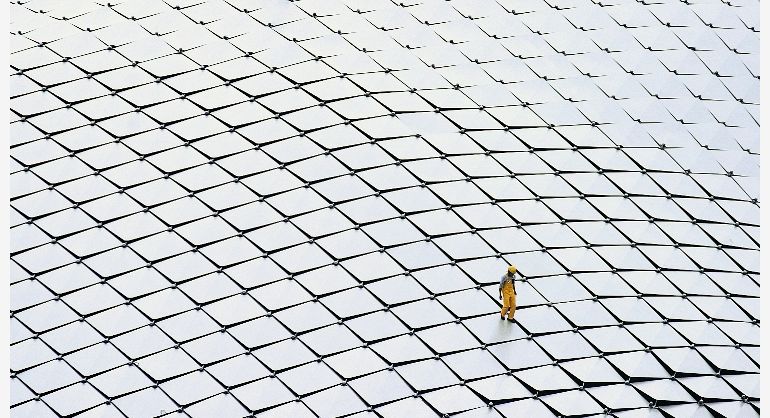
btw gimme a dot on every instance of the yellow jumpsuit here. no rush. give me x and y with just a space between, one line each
509 299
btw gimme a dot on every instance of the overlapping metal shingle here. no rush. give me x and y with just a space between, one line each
226 208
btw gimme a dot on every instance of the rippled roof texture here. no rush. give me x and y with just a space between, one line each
227 208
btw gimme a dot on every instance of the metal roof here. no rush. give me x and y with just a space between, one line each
303 208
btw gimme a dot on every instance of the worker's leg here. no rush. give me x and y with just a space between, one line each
506 303
512 303
505 309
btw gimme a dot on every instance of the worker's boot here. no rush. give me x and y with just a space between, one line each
511 320
502 317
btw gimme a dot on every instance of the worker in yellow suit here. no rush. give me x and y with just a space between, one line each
508 293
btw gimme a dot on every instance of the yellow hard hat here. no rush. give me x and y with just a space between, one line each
512 269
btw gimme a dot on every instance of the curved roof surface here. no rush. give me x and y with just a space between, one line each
227 207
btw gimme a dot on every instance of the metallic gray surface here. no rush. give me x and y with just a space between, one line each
303 208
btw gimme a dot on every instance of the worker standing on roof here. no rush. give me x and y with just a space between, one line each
508 293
